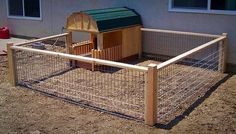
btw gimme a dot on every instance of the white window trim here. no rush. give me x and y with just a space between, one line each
24 17
207 11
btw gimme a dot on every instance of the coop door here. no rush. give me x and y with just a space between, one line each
112 39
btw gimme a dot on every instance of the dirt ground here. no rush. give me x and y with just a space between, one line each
26 111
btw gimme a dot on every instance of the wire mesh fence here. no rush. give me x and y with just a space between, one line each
121 89
115 89
182 83
162 46
55 45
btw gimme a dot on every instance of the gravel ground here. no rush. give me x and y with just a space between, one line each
26 111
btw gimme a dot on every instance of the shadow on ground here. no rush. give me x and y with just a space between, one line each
193 106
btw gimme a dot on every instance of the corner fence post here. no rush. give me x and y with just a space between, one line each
222 54
11 65
150 113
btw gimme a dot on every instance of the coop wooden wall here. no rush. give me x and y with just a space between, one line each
112 39
131 41
81 22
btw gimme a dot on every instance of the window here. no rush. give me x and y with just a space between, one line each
223 5
190 4
24 9
204 6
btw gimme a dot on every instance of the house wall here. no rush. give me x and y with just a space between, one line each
3 20
26 27
54 14
154 14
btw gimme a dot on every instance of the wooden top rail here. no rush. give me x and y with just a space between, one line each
40 39
84 59
180 32
188 53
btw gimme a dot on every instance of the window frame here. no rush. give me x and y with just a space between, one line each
24 17
205 11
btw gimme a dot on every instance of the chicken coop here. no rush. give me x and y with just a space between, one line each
114 33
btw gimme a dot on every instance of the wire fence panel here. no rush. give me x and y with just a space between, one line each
182 83
162 46
114 89
55 45
120 89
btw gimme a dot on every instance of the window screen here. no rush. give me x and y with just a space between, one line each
191 4
15 7
223 5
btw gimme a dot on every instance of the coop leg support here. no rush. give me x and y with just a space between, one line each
12 65
150 114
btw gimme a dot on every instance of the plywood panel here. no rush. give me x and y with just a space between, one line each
81 22
100 41
112 39
131 43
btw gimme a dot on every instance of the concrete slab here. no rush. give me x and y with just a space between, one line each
3 42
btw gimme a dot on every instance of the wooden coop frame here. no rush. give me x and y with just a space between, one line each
114 33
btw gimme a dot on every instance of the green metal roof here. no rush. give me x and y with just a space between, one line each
114 18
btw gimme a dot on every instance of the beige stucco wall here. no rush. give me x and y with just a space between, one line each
154 14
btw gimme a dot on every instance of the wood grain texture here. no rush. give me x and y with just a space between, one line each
12 65
150 114
131 42
81 22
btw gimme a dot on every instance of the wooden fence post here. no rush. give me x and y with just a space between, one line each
93 56
69 47
222 54
69 42
12 65
150 114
